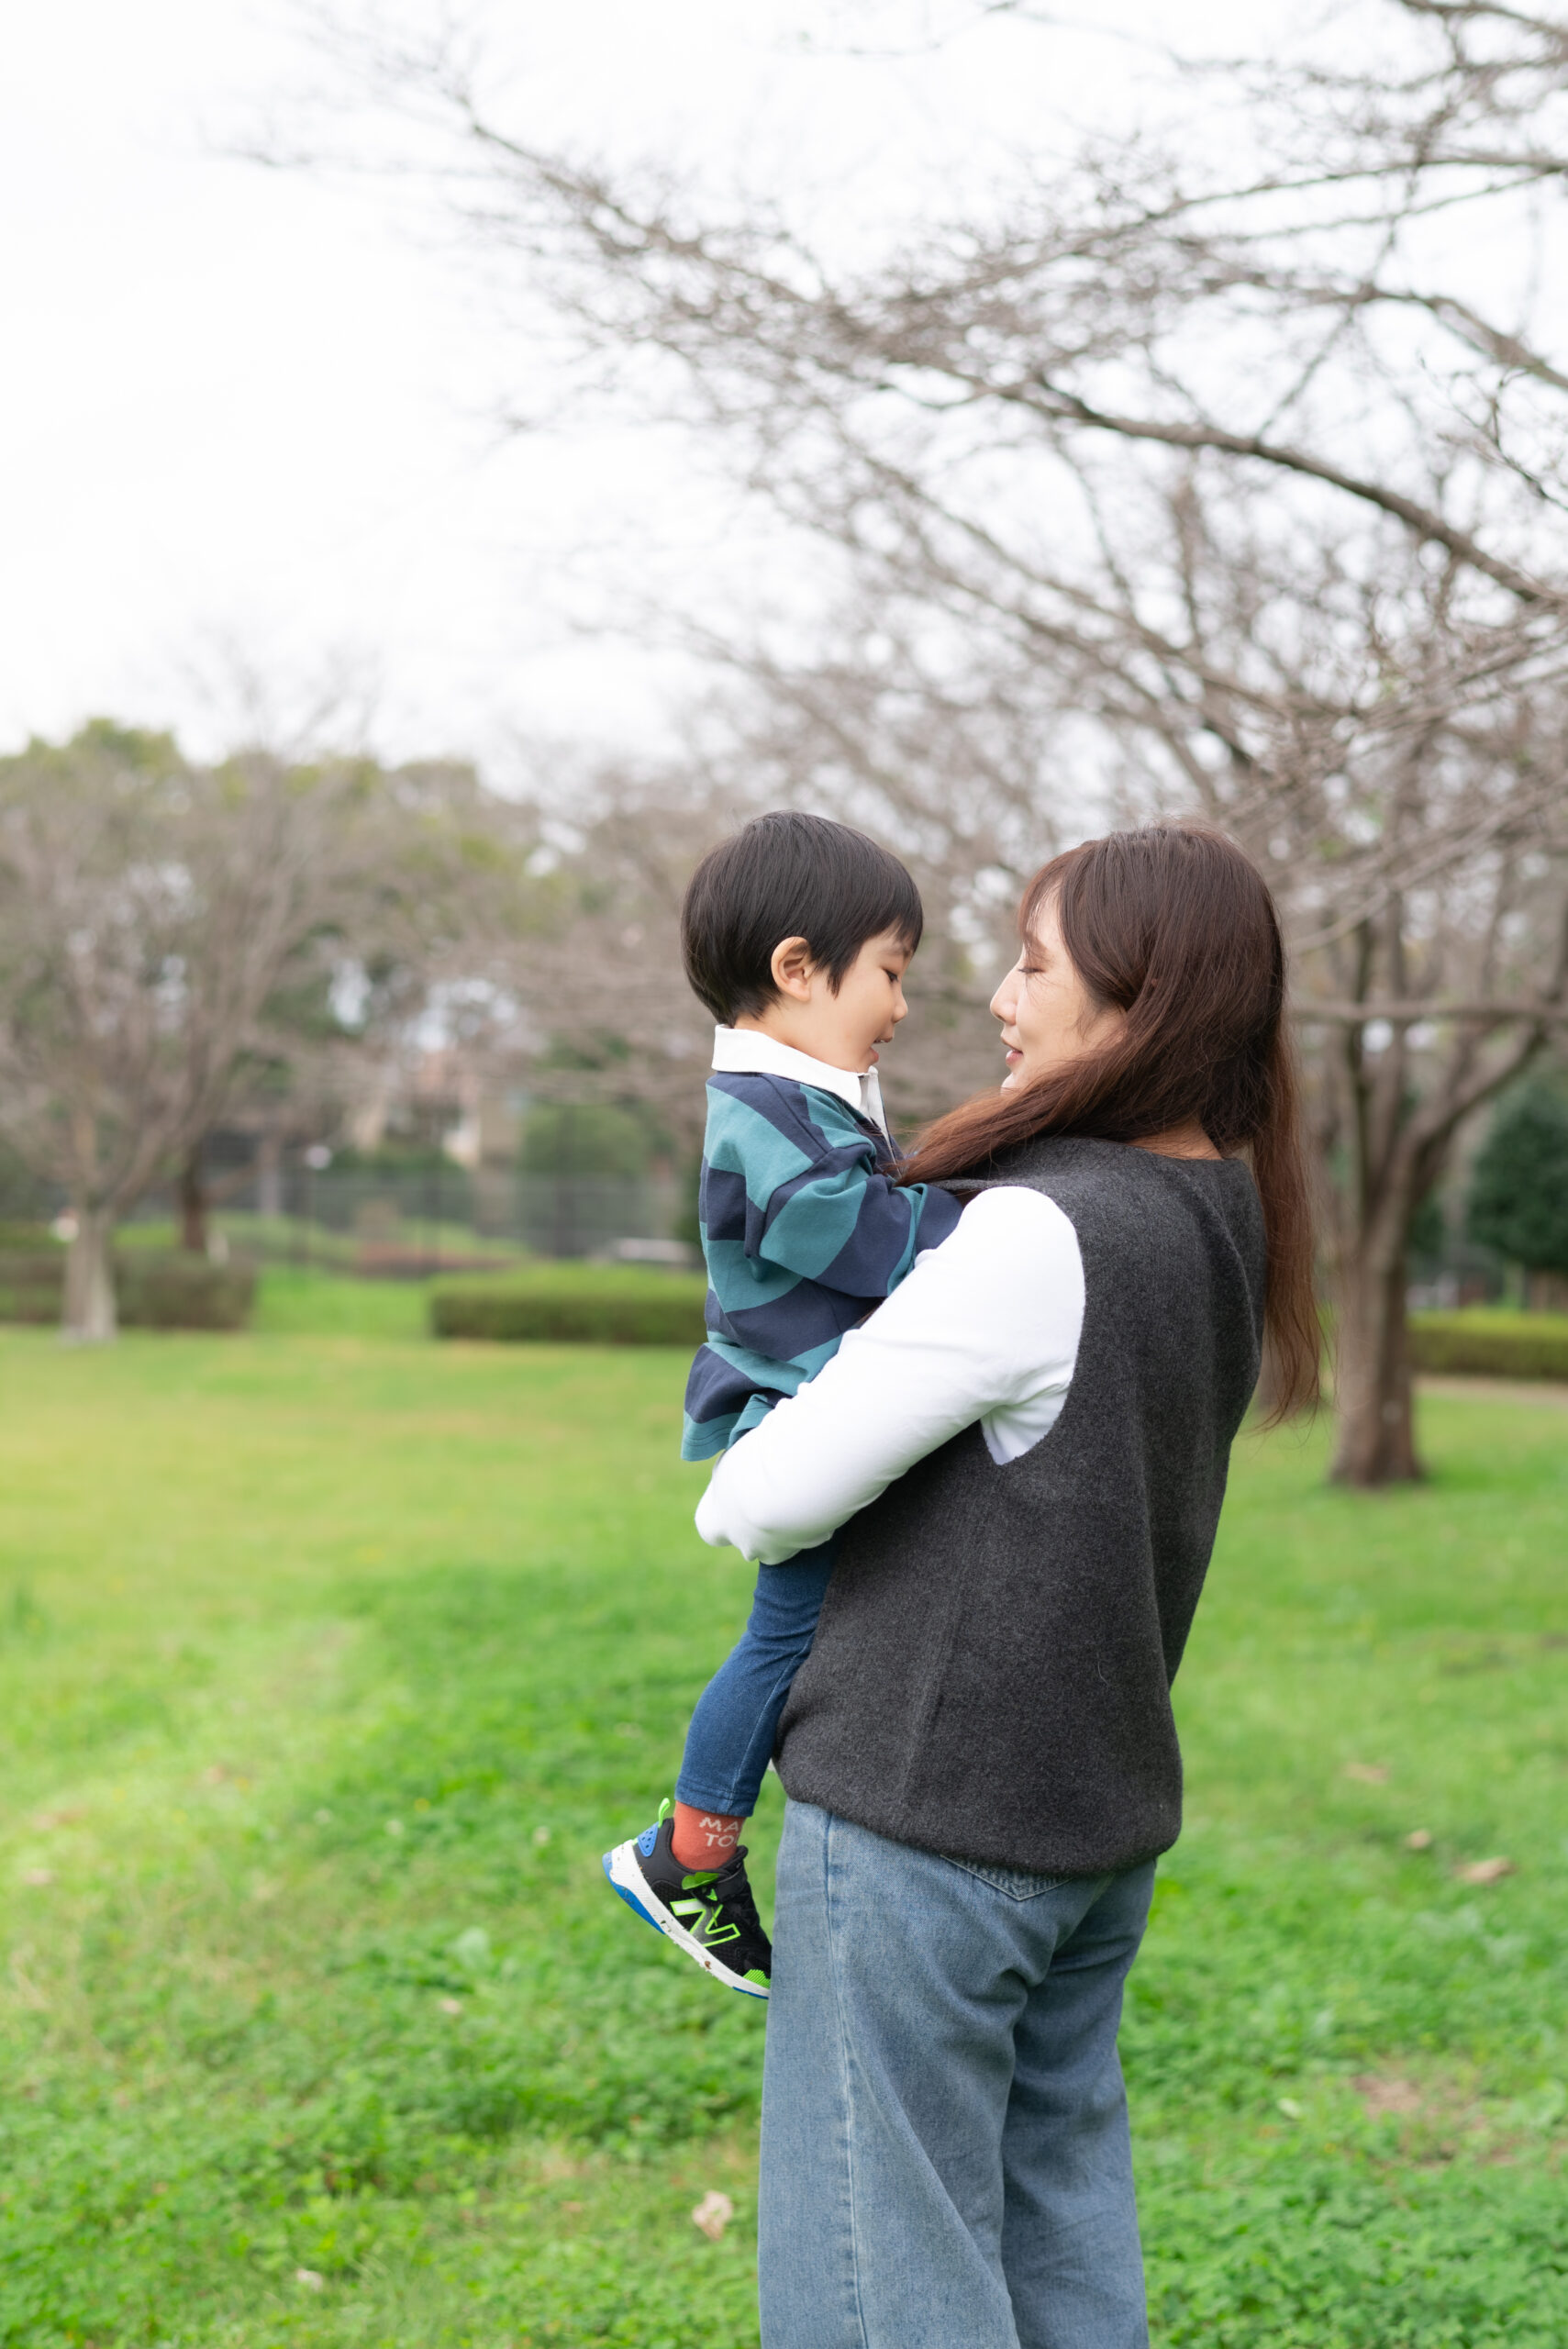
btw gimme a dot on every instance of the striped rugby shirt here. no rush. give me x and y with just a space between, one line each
801 1233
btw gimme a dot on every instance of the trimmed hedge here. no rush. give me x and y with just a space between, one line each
173 1289
154 1288
33 1277
31 1237
582 1305
1479 1343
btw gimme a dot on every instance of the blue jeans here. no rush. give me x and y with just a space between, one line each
730 1740
945 2154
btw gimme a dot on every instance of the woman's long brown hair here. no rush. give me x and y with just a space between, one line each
1173 925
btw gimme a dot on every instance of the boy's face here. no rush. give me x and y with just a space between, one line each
845 1028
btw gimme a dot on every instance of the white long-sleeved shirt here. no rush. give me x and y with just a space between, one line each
986 1327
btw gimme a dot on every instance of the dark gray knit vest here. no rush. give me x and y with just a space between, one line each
991 1675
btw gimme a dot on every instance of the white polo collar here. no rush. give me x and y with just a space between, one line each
746 1052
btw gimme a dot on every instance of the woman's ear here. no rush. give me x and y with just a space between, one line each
792 969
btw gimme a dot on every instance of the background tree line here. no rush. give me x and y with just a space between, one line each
182 943
1215 471
1219 474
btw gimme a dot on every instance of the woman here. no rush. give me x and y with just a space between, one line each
1026 1448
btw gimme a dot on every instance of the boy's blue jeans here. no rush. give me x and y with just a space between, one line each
945 2153
730 1740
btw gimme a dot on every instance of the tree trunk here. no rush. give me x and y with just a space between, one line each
270 1176
193 1198
89 1317
1372 1375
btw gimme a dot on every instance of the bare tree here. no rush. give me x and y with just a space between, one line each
1398 772
1401 777
1217 462
601 1009
586 999
151 912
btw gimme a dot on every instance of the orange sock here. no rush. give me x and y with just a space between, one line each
704 1839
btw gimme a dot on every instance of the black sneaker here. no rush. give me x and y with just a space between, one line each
709 1912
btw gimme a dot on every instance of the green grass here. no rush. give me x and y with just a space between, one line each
329 1662
300 1300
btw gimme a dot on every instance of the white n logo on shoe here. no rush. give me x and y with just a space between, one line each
710 1926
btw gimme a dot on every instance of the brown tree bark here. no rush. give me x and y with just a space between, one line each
89 1317
1372 1386
192 1201
270 1174
1396 1146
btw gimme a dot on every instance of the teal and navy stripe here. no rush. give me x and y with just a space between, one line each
802 1234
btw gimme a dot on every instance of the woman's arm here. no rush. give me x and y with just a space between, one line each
986 1327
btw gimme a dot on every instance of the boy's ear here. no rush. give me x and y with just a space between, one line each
792 967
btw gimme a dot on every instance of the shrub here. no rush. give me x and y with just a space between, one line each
32 1275
175 1289
154 1288
586 1305
1491 1344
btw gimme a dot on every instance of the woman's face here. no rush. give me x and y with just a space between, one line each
1048 1018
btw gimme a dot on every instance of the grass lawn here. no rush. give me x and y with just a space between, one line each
304 1300
328 1663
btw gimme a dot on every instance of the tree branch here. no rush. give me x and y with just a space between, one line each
1423 521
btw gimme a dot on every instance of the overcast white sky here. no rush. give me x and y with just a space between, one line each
247 408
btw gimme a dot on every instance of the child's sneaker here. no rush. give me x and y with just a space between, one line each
709 1912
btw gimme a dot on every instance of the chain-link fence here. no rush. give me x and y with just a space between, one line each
408 1222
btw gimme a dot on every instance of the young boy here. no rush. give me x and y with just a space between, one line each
796 934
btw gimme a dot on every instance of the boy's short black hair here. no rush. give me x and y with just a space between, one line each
782 876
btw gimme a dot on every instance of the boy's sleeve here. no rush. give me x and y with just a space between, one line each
937 1214
841 1222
